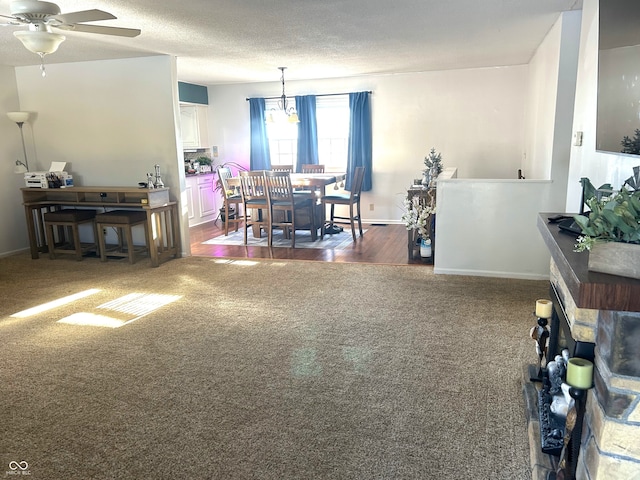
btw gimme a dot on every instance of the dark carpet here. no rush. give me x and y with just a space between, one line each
214 369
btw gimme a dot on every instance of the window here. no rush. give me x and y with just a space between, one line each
332 115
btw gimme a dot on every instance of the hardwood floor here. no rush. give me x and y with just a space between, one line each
381 244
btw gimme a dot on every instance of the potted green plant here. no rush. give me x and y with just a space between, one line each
611 230
204 163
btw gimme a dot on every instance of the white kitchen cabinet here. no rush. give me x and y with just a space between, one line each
194 125
201 199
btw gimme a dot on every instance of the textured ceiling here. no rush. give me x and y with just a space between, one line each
240 41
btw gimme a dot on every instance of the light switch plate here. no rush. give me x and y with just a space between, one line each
577 139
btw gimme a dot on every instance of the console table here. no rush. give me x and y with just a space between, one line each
162 214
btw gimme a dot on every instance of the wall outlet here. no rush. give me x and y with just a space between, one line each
371 207
104 231
577 139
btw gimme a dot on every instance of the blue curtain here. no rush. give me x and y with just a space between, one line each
260 159
307 131
360 138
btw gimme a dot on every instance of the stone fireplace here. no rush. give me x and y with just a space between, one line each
592 308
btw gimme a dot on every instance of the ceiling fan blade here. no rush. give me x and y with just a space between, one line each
12 20
83 16
117 31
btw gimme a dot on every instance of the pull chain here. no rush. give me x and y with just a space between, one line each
44 74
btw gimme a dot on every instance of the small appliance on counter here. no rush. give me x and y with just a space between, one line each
56 177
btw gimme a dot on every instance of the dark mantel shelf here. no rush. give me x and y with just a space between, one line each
597 291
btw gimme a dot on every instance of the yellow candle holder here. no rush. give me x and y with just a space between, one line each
544 308
580 373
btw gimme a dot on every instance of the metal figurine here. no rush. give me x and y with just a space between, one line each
541 335
158 182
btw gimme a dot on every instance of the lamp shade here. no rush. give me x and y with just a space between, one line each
18 117
40 42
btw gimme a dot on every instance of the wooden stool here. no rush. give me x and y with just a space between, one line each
70 220
124 221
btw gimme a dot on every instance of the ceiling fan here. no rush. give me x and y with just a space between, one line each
44 17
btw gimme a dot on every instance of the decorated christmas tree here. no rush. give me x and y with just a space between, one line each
433 162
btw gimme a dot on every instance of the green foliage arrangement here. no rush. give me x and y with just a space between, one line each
614 216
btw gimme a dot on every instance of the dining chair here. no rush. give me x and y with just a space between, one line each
230 198
312 168
282 168
351 199
286 208
255 200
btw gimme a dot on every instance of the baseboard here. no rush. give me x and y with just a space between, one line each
14 252
490 273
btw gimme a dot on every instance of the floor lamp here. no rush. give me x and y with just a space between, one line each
20 118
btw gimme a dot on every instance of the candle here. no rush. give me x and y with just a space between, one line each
543 308
580 373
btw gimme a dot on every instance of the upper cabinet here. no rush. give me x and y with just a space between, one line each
194 126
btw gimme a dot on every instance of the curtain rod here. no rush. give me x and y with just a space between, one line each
318 95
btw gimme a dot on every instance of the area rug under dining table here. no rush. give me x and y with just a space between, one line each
337 241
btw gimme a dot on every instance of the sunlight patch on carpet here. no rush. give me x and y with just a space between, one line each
92 320
130 308
55 303
230 261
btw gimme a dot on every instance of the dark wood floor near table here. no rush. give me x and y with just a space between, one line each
381 244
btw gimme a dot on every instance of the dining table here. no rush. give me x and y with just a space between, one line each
310 181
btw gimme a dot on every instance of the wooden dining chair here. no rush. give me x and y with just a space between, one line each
255 203
282 168
287 207
312 168
231 199
317 191
352 199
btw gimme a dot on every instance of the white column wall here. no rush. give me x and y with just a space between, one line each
111 121
489 228
585 160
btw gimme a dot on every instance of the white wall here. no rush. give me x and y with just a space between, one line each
13 230
112 121
474 117
550 105
489 227
585 161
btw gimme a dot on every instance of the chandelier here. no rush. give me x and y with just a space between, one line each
284 112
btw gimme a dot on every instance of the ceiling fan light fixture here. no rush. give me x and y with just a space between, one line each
40 42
